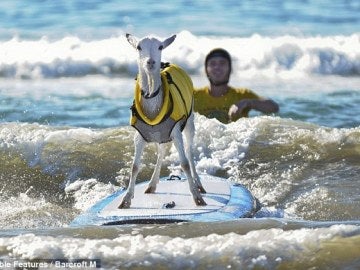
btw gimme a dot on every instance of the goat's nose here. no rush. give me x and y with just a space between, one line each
150 62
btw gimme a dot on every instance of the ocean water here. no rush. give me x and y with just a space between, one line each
66 85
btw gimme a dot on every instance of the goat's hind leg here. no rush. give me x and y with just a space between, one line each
179 144
156 174
139 147
189 132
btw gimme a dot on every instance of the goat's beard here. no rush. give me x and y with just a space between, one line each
151 84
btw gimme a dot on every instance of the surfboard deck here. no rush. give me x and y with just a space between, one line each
173 202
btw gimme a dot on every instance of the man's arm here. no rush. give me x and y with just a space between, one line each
262 105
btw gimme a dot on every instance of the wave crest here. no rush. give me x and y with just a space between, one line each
269 56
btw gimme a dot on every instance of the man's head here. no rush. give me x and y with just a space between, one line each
218 66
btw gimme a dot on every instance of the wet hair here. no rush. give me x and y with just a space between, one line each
218 52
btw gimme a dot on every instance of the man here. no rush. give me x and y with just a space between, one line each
223 102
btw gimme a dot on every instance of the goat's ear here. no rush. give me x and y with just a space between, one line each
168 41
132 40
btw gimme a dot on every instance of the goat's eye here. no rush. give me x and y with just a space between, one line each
138 48
161 47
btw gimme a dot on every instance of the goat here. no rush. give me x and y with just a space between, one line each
151 95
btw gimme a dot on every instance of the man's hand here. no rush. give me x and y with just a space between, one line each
237 109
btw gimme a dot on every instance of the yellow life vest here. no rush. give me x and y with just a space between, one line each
177 105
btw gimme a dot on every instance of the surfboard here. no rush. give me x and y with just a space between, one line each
173 202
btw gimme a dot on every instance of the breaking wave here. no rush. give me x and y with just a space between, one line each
296 169
284 56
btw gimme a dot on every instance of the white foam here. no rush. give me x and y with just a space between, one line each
88 192
284 56
258 248
218 146
30 139
23 211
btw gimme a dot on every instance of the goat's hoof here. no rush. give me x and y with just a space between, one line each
201 189
126 201
124 204
200 201
150 189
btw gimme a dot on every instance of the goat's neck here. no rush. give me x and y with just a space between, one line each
150 83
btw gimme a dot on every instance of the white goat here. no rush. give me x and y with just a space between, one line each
151 101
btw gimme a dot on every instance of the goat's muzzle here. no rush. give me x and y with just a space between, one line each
150 64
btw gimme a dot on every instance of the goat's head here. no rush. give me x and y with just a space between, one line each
149 49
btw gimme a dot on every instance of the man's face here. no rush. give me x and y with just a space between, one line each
218 69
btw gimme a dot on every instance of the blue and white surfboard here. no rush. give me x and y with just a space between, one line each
173 202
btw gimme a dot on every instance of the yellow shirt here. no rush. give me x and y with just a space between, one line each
218 107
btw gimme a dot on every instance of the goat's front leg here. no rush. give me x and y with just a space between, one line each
139 148
179 144
156 174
